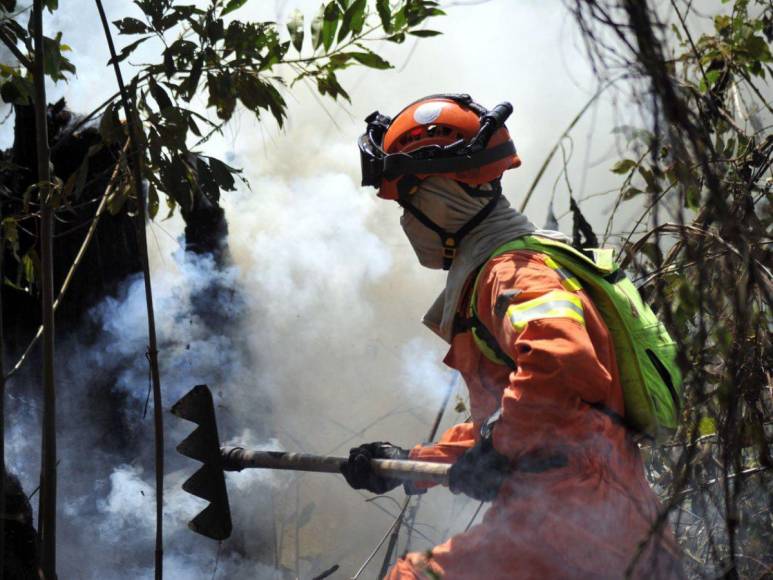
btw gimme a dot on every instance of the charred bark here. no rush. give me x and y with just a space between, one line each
111 259
21 539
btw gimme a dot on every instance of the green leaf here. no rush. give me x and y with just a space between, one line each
232 5
17 91
712 76
191 82
29 263
171 204
51 58
677 32
330 24
215 30
131 26
275 55
127 50
51 5
7 71
206 181
153 9
168 63
316 28
692 197
159 95
256 95
55 65
11 234
398 38
223 174
398 20
329 85
385 13
193 126
75 184
353 17
221 94
174 129
177 178
630 192
371 59
650 179
295 27
110 128
358 21
722 23
757 48
179 14
152 201
425 33
623 166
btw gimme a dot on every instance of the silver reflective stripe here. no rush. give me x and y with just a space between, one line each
547 310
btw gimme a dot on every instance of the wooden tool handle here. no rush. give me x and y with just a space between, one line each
237 458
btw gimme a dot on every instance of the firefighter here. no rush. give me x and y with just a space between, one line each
547 441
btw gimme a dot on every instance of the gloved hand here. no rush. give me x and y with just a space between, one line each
358 472
479 473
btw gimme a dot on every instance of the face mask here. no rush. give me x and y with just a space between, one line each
425 243
445 203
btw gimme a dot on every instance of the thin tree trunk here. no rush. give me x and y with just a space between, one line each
47 505
2 419
135 159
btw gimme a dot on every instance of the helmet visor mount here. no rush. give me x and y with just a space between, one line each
370 161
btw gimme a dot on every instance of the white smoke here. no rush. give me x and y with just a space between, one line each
125 526
421 373
305 245
190 350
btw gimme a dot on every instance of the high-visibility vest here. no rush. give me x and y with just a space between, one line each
645 352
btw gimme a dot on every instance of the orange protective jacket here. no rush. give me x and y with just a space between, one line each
589 519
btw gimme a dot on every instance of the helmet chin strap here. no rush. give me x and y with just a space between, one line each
451 240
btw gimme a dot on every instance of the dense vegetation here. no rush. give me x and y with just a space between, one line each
704 167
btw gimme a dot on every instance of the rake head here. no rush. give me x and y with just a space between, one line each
203 445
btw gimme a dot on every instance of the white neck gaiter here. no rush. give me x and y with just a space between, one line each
447 204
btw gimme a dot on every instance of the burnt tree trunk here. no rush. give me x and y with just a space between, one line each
110 260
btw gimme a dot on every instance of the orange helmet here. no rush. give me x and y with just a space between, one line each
446 134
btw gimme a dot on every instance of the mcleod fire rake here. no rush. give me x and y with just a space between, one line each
208 482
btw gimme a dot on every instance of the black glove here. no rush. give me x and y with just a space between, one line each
479 473
358 472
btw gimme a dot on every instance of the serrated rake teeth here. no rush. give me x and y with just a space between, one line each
203 444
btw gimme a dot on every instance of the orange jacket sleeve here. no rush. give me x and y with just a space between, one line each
449 447
559 369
